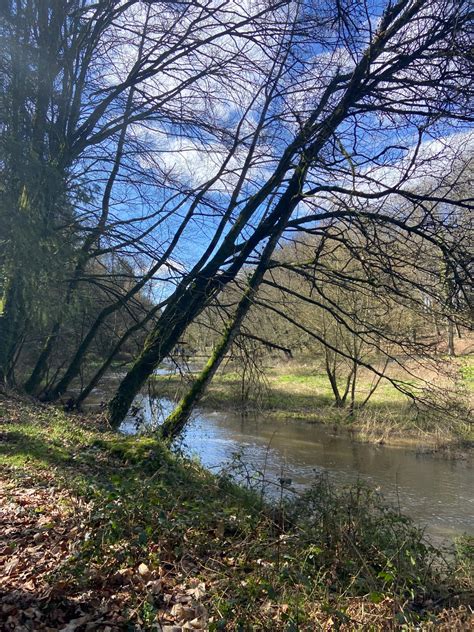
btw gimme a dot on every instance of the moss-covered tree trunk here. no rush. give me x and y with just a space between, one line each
175 423
191 300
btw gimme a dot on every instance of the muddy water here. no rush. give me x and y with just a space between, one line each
438 493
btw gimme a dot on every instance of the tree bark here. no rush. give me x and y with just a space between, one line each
305 147
175 423
331 373
10 325
451 350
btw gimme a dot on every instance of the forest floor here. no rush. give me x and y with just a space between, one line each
300 390
106 532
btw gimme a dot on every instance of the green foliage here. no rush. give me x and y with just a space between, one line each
292 564
464 555
362 542
467 372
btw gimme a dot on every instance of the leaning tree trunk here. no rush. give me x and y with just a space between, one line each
157 346
175 423
191 300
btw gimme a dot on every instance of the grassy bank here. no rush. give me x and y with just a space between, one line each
114 533
301 391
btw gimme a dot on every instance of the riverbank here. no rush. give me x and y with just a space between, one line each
110 532
301 391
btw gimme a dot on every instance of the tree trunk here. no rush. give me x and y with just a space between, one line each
333 382
175 423
135 379
353 389
451 351
10 326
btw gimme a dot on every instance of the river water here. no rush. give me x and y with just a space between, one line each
437 492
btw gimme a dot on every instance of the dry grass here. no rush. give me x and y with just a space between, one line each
103 532
300 390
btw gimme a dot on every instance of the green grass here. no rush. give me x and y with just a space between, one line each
298 391
337 555
466 370
289 392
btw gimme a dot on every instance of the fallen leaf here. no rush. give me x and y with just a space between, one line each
154 587
198 591
74 624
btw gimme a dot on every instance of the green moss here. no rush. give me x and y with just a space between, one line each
132 450
145 504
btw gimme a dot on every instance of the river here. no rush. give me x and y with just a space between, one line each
438 493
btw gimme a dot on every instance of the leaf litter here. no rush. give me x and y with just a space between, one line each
42 528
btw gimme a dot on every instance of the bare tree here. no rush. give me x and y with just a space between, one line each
351 94
85 86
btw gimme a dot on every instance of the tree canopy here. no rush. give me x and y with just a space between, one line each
154 154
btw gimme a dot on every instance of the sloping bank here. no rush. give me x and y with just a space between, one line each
113 533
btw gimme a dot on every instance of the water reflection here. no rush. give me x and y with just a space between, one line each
437 493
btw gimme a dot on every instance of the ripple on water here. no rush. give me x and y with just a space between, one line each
437 493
